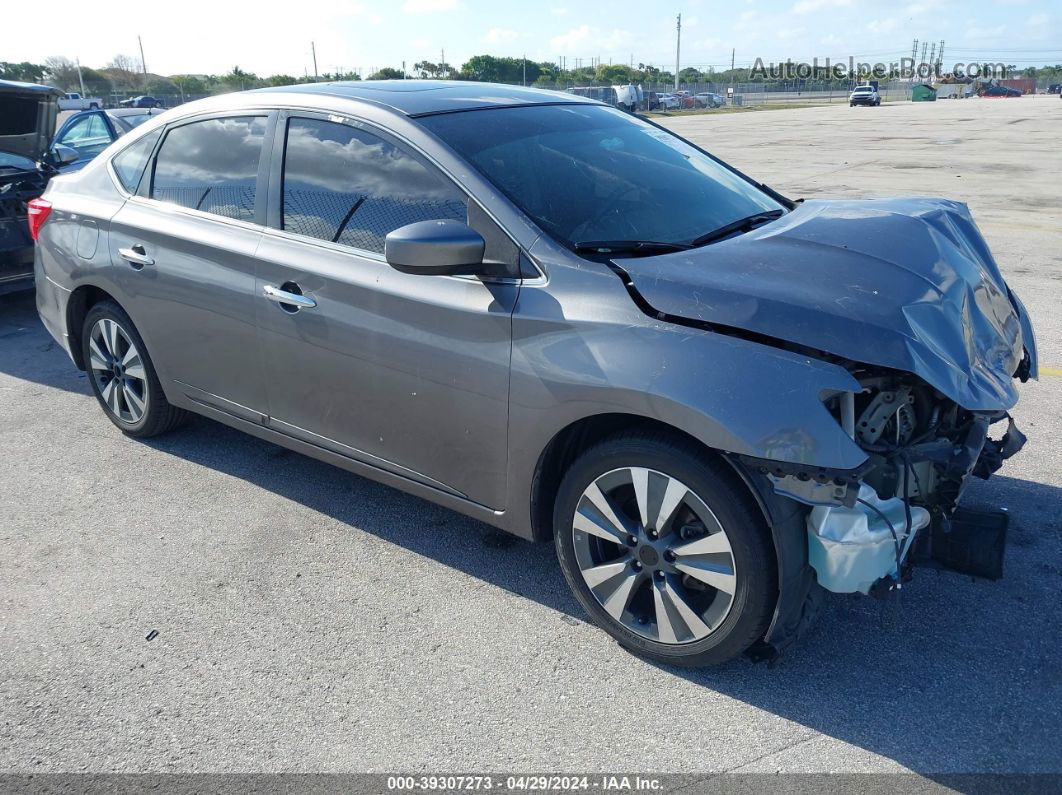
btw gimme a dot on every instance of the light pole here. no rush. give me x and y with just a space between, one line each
678 48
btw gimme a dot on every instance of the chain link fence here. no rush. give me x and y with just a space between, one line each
802 92
796 92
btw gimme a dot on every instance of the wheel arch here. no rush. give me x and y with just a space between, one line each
571 441
81 300
798 596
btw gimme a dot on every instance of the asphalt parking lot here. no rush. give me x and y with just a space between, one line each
310 620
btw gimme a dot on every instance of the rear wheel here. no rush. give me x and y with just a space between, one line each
122 376
665 549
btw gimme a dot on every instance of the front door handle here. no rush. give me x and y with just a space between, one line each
278 296
136 256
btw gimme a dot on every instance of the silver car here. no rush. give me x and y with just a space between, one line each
556 318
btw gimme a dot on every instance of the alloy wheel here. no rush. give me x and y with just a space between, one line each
118 371
654 555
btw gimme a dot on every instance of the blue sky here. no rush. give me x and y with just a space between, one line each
268 37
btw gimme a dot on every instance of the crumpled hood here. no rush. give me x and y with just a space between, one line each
903 283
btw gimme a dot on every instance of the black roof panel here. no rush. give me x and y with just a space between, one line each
420 97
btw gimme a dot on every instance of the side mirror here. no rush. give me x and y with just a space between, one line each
62 155
435 248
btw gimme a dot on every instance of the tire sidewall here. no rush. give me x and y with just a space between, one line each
727 497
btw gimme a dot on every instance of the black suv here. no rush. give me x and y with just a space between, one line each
27 161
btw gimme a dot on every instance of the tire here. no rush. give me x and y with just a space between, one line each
639 590
131 395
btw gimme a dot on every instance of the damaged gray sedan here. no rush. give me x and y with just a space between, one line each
566 322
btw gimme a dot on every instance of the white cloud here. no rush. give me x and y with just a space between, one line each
559 12
811 6
500 35
573 39
711 43
1038 20
787 34
887 25
747 20
585 40
429 6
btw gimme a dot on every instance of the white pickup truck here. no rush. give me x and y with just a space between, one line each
75 101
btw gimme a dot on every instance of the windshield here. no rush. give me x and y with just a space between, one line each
587 172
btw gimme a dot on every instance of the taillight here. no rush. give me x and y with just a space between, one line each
37 211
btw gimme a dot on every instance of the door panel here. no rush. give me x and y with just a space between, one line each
195 304
406 372
184 251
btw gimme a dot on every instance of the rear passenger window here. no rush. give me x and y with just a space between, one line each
129 163
349 186
211 166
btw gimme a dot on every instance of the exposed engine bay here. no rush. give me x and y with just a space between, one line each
921 447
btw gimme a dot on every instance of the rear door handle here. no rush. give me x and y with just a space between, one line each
136 256
278 296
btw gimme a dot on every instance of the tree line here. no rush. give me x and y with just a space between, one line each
124 75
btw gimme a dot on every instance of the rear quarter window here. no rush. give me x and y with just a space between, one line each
130 162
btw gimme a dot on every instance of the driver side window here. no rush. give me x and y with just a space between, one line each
346 185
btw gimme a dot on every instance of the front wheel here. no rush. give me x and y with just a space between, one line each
665 549
122 376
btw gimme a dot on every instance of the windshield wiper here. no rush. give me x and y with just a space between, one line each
740 225
629 246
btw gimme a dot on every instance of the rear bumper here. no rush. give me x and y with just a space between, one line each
51 306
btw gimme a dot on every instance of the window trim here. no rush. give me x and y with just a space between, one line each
147 182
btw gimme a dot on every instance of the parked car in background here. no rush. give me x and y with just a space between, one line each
864 95
668 102
74 101
92 131
628 97
28 159
709 100
561 320
1054 88
994 90
140 102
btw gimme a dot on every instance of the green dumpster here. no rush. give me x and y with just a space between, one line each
923 93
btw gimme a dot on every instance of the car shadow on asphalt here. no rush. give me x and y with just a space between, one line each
953 675
28 352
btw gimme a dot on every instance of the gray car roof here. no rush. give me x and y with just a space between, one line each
422 97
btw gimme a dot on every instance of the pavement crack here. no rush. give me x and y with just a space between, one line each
794 744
